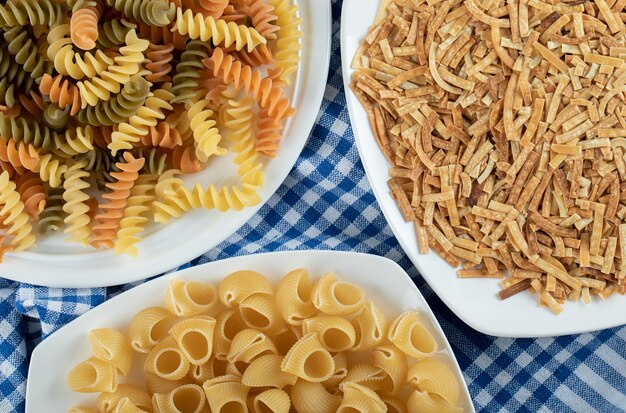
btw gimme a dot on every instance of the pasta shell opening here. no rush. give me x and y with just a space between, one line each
234 407
272 401
336 340
92 375
422 340
318 365
195 344
241 284
200 293
159 330
254 319
188 399
348 294
190 298
168 362
309 360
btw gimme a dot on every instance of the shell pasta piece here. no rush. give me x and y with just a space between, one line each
195 338
156 384
126 405
335 297
167 361
411 336
394 405
370 327
393 363
112 346
335 333
226 394
189 398
249 344
423 402
108 401
339 374
241 284
259 311
309 360
308 397
190 298
293 297
148 327
286 338
265 372
364 374
200 373
272 401
227 325
434 377
360 399
92 376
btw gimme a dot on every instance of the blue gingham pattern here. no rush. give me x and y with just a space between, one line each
326 203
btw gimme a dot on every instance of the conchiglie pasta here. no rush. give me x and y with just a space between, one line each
293 297
364 374
335 333
186 299
370 327
227 325
423 402
309 360
239 285
435 377
189 398
112 346
335 297
411 336
148 327
272 401
167 361
259 311
248 345
265 372
194 337
360 399
108 401
393 364
92 376
226 394
308 397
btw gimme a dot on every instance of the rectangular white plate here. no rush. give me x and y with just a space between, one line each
474 301
383 281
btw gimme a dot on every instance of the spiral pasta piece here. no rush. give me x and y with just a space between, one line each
218 31
52 217
61 92
206 135
159 58
50 169
75 141
22 156
35 12
105 231
25 51
32 194
263 89
269 134
68 62
262 18
110 80
162 135
153 12
54 117
15 217
289 35
119 108
75 206
188 71
135 216
84 26
163 35
129 133
113 32
27 131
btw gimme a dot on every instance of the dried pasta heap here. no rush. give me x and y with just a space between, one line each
244 346
105 103
506 126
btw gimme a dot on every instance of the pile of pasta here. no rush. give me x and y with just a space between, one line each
306 347
105 103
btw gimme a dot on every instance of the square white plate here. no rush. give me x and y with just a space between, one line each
383 281
474 301
56 263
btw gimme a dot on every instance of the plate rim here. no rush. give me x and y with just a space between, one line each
64 271
398 274
418 259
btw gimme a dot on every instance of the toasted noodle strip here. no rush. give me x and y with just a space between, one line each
505 123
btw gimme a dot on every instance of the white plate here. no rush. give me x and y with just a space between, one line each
56 263
474 301
383 281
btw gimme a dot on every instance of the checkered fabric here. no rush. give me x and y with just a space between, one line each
326 203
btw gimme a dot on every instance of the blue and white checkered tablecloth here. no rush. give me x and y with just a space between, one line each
326 203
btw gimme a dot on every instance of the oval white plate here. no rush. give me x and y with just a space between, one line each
56 263
474 301
383 281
